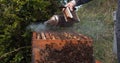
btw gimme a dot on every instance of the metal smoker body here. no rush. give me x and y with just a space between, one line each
68 18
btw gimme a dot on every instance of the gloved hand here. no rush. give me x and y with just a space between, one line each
71 5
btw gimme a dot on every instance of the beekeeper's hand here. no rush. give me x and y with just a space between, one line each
71 5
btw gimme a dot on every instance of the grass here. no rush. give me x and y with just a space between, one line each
97 23
102 36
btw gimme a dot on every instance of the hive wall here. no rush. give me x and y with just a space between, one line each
61 47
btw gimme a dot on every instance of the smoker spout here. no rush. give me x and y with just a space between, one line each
50 23
53 21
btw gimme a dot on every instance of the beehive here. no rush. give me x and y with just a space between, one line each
61 47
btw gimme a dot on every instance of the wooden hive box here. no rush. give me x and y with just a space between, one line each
61 47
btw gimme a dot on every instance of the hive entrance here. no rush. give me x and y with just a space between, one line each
61 47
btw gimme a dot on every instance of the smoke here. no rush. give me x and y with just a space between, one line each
40 27
37 27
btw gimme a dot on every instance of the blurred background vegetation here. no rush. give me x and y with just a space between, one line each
16 15
97 22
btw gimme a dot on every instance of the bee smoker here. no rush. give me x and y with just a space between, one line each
68 18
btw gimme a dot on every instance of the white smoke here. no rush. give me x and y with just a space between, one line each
37 27
40 27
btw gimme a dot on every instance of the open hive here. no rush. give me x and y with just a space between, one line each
61 47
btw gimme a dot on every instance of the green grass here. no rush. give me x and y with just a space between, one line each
102 36
97 23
